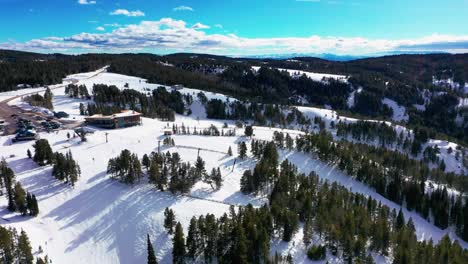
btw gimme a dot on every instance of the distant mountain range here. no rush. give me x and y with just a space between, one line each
334 57
325 56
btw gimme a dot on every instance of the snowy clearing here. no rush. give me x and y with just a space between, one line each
319 77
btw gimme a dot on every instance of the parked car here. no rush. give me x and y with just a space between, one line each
61 114
55 125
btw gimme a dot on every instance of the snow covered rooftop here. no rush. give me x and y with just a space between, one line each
123 113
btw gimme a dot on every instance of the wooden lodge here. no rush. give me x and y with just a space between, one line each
126 118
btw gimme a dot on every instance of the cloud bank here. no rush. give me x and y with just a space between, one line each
86 2
183 8
125 12
169 35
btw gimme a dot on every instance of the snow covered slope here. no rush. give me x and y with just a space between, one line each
399 112
312 75
103 221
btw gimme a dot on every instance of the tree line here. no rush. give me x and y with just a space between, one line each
18 199
212 130
261 114
41 101
65 168
15 247
394 176
165 170
351 226
158 104
77 91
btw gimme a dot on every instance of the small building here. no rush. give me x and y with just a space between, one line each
126 118
168 131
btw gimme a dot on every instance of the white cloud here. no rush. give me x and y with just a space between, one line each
218 26
113 25
125 12
183 8
86 2
100 28
200 26
170 35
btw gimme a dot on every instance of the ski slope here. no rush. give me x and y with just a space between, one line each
104 221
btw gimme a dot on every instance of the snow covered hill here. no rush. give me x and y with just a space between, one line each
104 221
312 75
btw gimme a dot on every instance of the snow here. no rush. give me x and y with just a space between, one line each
463 103
22 92
450 83
328 116
420 107
306 164
141 85
351 99
399 112
103 221
27 107
319 77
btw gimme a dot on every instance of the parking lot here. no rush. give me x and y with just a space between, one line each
15 118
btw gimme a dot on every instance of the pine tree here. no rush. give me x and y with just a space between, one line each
34 207
73 170
29 202
29 154
151 256
20 199
193 238
146 162
246 182
24 249
48 99
43 152
400 221
126 167
200 168
153 173
7 177
161 181
307 230
217 179
248 132
242 150
178 242
169 220
229 151
66 168
239 251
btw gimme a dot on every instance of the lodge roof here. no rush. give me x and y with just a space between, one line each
123 113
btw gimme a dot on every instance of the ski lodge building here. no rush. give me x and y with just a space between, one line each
126 118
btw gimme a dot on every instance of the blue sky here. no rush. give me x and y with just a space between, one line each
241 27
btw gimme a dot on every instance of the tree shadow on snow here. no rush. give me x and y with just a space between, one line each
43 184
113 212
21 165
8 217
